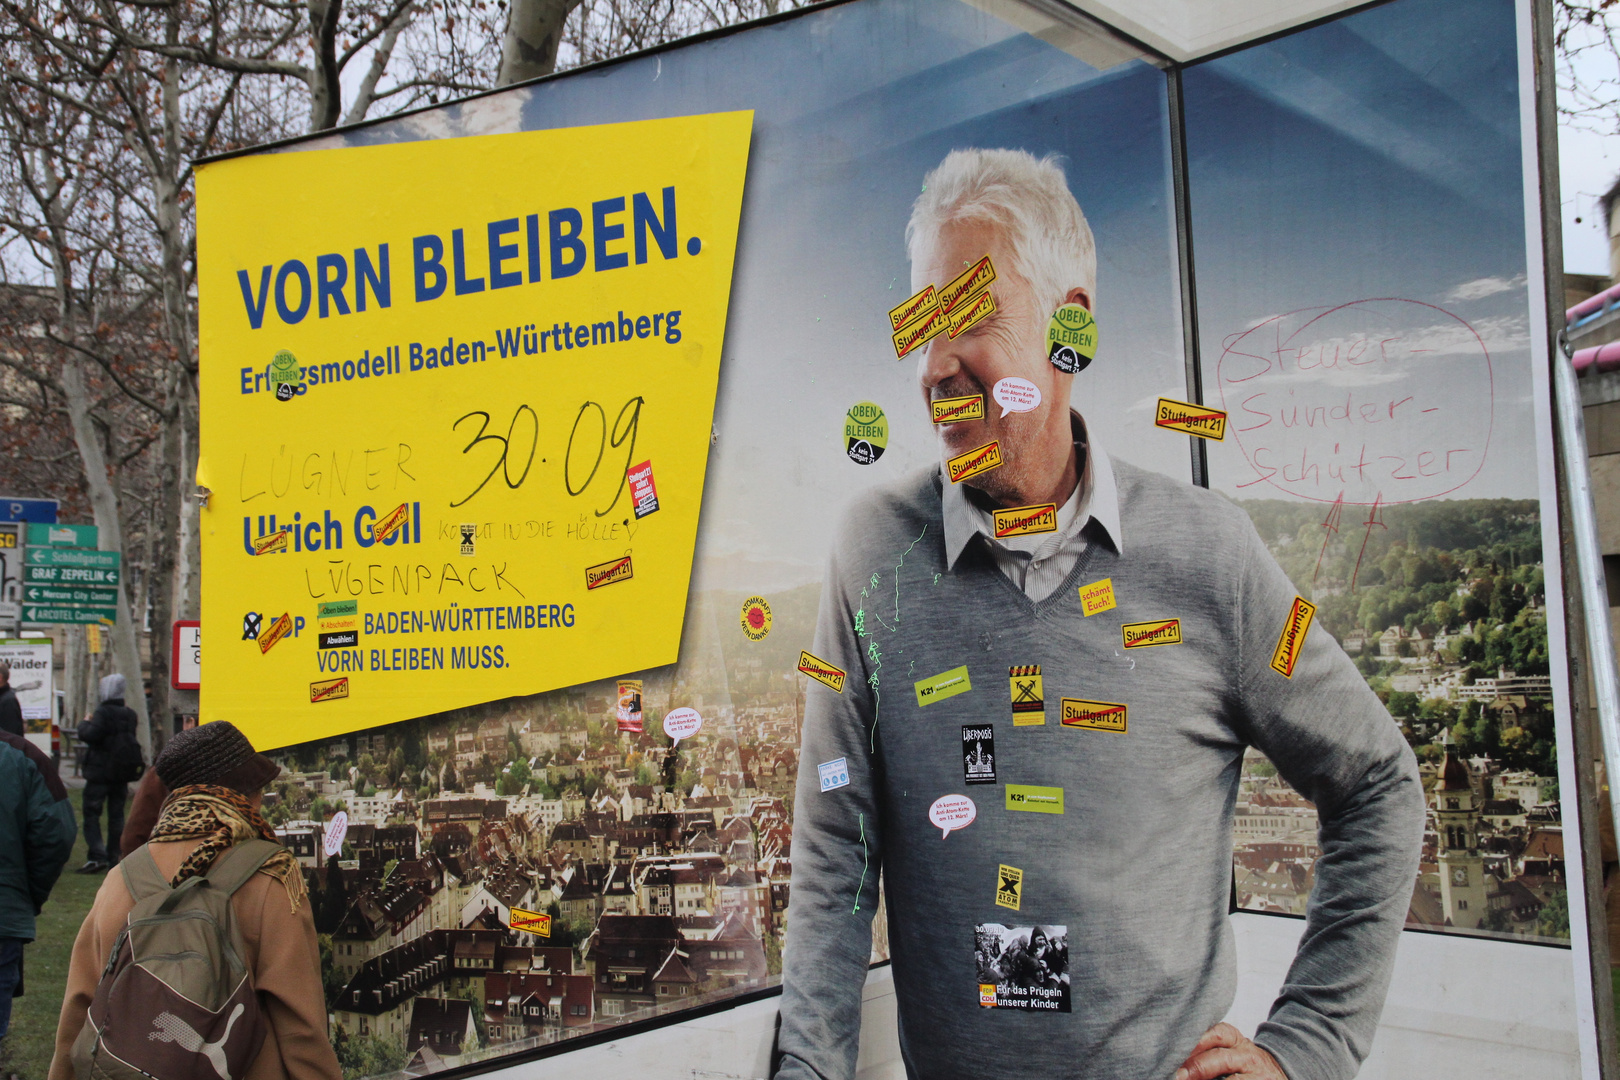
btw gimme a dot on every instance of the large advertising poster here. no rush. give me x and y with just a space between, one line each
956 250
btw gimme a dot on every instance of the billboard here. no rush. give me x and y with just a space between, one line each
930 468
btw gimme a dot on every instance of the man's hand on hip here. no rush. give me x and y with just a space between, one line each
1224 1051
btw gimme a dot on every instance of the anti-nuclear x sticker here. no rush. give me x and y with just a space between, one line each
1009 887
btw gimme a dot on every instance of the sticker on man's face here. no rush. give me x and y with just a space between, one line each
953 410
866 433
974 462
1022 967
1028 697
1071 338
978 753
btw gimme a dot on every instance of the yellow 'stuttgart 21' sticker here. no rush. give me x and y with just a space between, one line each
1286 655
979 460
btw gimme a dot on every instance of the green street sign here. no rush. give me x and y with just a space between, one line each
36 613
69 575
73 536
49 556
69 595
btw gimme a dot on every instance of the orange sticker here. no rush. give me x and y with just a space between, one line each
1143 635
278 630
1286 655
607 573
389 525
1199 420
918 332
1021 520
1097 715
951 410
917 306
270 543
820 670
971 281
328 690
971 313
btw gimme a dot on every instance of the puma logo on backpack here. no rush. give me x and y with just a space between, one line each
176 1000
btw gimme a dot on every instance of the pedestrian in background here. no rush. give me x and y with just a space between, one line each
111 763
36 837
10 708
217 785
148 803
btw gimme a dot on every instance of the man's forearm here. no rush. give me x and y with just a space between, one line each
1322 1024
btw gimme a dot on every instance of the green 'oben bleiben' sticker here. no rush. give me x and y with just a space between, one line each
1039 800
285 375
1071 338
866 433
945 684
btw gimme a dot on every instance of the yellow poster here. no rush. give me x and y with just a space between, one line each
489 333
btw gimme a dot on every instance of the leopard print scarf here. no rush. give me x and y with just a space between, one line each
222 818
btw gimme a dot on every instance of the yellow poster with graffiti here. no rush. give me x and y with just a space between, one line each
456 401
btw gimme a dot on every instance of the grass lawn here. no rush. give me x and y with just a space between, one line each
26 1051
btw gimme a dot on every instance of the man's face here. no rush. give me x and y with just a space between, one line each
1011 342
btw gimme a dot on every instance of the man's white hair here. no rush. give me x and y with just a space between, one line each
1029 197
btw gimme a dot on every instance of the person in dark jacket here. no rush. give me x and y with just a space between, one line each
11 719
36 837
107 772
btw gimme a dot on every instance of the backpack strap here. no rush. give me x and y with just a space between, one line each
141 874
233 869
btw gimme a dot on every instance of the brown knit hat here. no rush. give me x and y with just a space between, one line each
215 753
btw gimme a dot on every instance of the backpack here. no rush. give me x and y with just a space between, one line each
124 750
176 1000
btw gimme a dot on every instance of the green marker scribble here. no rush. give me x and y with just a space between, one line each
936 579
860 623
867 856
897 566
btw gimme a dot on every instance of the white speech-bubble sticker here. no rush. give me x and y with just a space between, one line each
1017 395
951 812
336 829
682 723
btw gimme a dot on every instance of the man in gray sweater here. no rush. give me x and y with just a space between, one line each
1057 847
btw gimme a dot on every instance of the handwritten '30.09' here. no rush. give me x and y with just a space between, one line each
621 434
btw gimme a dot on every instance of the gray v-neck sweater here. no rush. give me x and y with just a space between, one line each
1134 875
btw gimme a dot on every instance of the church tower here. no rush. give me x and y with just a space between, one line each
1462 870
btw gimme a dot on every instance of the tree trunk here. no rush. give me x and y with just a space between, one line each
533 33
325 86
104 507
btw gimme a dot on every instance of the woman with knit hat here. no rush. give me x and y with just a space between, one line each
216 784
